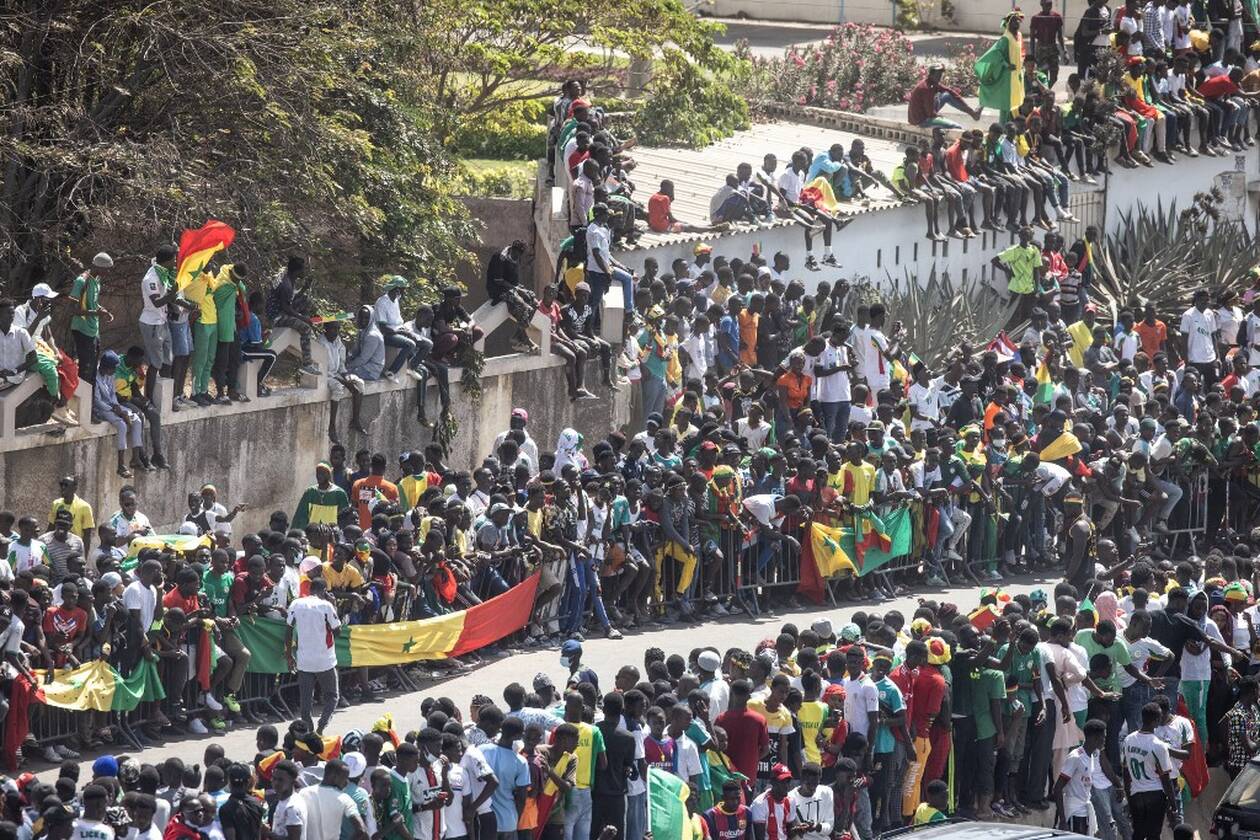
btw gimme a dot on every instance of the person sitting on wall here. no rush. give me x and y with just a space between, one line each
454 331
503 285
929 96
661 217
340 381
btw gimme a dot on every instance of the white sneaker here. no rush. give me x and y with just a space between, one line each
414 374
393 377
212 704
196 727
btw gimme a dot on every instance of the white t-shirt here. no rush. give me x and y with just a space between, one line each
289 812
818 808
1139 653
1228 319
85 829
755 438
387 311
476 771
791 183
597 239
137 596
151 286
760 813
1078 770
1181 37
834 387
1145 756
1198 328
453 811
311 618
861 697
687 758
326 807
762 508
719 696
1198 666
924 400
23 557
1054 477
876 370
1178 733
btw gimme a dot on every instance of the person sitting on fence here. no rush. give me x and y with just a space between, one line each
340 380
661 217
129 378
59 372
108 408
455 333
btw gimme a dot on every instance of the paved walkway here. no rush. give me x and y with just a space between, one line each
605 657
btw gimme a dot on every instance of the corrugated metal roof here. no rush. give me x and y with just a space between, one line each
698 173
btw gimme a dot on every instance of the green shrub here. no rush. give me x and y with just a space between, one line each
518 131
686 106
495 181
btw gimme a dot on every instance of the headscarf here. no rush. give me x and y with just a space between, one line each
569 451
1107 607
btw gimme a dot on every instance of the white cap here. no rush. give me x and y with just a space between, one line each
43 290
707 660
103 260
189 529
356 763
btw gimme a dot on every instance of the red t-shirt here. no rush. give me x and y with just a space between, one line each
924 689
955 162
243 588
746 736
189 605
1219 86
69 623
658 213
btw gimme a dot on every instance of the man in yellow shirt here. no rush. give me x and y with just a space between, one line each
1082 333
82 521
205 334
857 476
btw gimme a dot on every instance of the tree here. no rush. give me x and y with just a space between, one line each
123 121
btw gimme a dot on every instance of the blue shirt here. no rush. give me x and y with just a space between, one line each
512 772
729 326
890 698
822 165
252 334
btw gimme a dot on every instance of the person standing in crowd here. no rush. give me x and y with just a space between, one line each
310 624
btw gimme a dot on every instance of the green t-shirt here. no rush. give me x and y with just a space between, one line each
217 588
1022 260
986 684
1024 667
653 361
86 290
225 306
1118 653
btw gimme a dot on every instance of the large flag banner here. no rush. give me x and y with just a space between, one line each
98 687
401 642
197 247
829 555
1045 388
882 539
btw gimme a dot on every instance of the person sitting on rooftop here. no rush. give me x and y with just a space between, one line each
661 217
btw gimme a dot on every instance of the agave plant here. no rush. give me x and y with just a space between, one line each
939 316
1161 256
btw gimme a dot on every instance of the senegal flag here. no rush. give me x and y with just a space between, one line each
400 642
829 556
550 792
880 539
98 687
667 806
196 247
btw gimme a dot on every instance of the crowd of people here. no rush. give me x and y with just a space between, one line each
196 338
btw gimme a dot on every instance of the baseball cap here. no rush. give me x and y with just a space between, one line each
570 647
238 774
709 661
356 763
850 633
499 507
823 628
780 772
542 681
42 290
521 413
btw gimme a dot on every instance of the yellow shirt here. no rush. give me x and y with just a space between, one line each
348 578
777 723
80 510
201 292
1082 337
860 481
810 718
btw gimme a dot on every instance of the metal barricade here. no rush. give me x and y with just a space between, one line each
1189 518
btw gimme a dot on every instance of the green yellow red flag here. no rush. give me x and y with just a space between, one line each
196 247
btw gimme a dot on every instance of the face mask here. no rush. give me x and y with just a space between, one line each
564 662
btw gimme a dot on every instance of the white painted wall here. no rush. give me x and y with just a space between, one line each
889 244
969 15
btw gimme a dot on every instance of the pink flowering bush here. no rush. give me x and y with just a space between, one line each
857 67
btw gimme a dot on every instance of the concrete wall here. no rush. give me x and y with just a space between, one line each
968 16
889 244
263 453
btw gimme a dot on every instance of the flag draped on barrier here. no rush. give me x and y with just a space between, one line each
400 642
832 550
98 687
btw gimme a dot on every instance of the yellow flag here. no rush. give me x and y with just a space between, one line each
829 557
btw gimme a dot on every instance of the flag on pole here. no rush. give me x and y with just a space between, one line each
1045 388
196 247
1004 347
